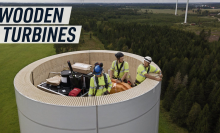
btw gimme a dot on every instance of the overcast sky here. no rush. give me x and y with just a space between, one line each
108 1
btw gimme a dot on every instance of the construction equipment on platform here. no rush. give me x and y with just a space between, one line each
72 82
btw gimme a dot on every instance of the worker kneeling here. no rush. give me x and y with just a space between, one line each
100 83
144 69
119 68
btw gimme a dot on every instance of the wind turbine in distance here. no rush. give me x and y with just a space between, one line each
176 7
187 4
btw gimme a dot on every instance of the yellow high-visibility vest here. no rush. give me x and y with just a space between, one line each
141 71
124 69
101 88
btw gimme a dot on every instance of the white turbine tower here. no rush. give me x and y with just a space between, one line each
186 11
176 7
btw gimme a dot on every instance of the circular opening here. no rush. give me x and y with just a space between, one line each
28 78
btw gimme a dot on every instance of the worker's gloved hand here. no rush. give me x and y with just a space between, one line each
159 79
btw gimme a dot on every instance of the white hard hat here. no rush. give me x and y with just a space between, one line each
148 59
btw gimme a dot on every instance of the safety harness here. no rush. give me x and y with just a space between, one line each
97 83
119 69
148 69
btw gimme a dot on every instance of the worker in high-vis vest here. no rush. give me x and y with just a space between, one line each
100 83
144 70
119 68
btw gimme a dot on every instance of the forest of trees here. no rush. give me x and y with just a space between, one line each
191 85
190 64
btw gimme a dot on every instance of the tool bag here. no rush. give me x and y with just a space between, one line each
74 92
118 87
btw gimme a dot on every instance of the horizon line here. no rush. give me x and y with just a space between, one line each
104 3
